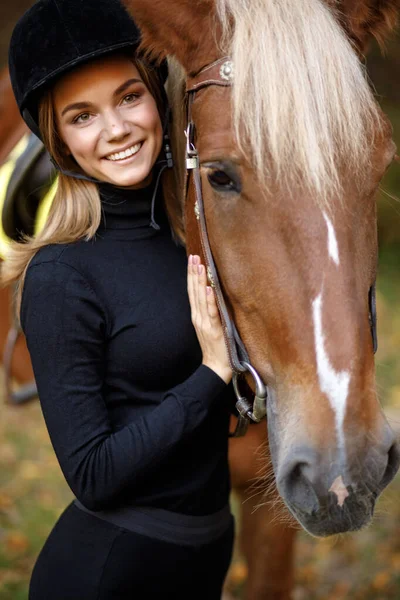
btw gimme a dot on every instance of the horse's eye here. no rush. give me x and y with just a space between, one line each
223 181
220 179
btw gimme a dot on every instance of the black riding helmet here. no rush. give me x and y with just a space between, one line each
54 36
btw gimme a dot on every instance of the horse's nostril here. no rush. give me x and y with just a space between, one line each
296 488
392 465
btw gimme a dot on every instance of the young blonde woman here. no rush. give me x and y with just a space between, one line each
135 399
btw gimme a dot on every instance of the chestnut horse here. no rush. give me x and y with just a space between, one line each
291 156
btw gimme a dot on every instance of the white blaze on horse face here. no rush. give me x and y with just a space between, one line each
335 384
332 241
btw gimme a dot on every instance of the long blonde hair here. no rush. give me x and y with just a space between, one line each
75 212
301 100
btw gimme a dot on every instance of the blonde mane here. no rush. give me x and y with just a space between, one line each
302 105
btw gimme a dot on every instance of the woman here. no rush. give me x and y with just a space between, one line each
136 406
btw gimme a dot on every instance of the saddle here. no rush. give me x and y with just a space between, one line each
30 182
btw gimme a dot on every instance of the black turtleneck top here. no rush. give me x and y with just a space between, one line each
133 416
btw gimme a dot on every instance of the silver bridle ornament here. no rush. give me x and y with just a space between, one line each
227 71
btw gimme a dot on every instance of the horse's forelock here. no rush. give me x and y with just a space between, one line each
301 101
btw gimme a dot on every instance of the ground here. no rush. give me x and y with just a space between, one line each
362 566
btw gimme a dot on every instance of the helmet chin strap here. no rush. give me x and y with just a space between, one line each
163 164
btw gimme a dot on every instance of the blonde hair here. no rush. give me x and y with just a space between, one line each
302 106
75 212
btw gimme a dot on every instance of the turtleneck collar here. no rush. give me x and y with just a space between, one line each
136 212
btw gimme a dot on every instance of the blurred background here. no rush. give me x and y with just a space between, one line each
362 566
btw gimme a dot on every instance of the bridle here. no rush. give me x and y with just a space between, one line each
220 73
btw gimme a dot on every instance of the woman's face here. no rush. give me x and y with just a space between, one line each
109 121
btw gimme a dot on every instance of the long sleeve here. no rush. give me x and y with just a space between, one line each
65 327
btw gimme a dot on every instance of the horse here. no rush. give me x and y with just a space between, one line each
286 146
291 155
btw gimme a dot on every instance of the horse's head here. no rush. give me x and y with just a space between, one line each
291 158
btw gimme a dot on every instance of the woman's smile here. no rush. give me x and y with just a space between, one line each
123 155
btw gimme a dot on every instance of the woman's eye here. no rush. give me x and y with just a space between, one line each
82 118
221 181
129 98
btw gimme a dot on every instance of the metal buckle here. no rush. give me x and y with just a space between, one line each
192 157
248 412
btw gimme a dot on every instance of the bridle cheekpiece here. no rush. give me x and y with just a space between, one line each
221 73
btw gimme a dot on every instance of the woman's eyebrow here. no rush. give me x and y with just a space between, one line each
125 85
75 106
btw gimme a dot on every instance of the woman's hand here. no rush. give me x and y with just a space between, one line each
206 320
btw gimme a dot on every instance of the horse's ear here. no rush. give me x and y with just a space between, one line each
179 28
367 19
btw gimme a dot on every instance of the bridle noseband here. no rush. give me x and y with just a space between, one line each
220 73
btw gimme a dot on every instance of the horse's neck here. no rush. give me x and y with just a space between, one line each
12 127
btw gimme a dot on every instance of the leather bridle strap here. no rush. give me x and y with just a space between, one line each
220 73
236 349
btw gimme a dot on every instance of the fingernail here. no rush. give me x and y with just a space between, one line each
195 260
208 291
200 269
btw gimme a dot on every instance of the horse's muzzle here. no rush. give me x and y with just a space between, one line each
330 495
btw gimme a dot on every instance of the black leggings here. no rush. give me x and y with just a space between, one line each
86 558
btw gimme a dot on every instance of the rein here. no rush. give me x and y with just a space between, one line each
220 73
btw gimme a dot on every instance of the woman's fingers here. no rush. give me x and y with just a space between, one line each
201 292
190 284
195 282
189 276
206 320
201 296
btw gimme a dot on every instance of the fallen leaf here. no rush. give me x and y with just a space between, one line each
16 542
381 580
5 501
8 455
29 470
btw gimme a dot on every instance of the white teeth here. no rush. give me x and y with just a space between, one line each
125 153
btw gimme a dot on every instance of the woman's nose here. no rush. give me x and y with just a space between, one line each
115 126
